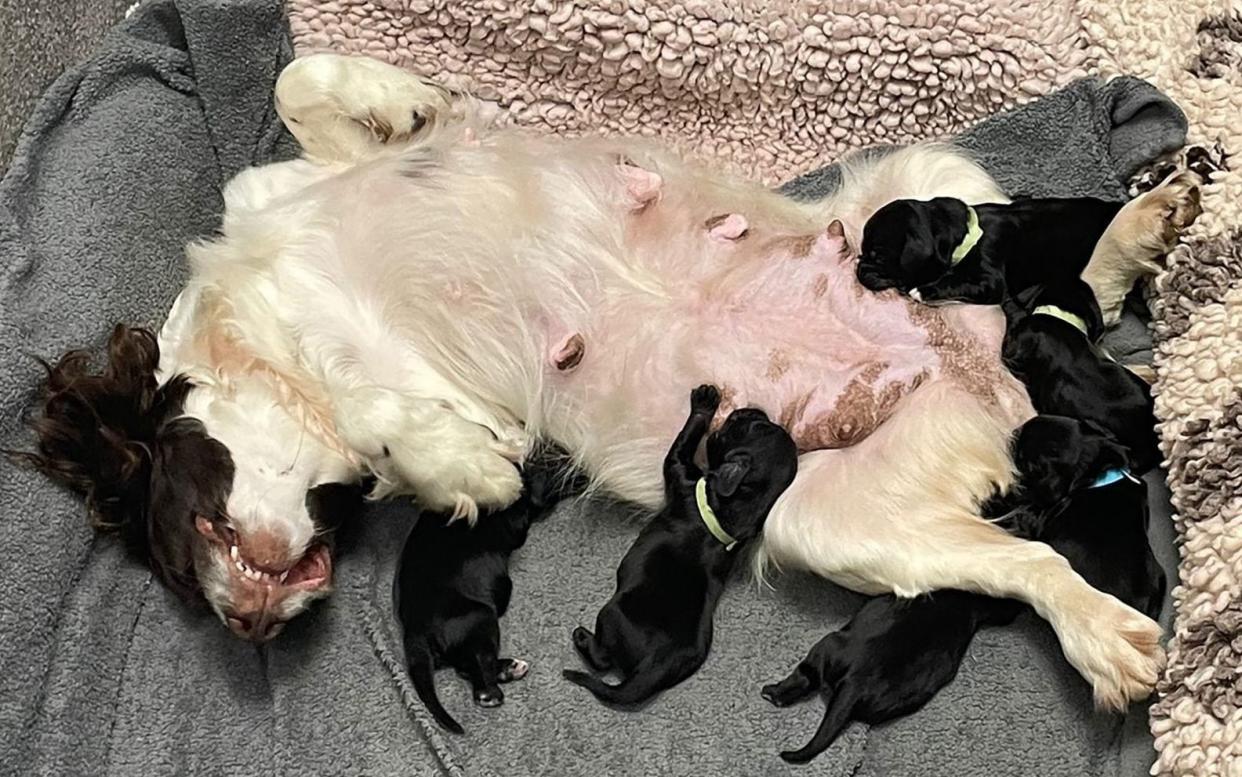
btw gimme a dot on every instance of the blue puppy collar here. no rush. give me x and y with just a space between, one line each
1110 476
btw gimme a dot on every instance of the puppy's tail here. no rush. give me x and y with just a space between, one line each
645 682
837 716
423 678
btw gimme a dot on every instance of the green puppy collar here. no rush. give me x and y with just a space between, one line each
709 516
973 233
1072 319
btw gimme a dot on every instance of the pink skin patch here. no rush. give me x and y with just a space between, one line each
726 229
642 187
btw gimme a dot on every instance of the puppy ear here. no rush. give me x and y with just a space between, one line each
728 476
948 227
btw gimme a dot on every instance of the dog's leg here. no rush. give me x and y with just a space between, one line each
679 463
421 446
803 681
896 514
589 648
1140 234
346 108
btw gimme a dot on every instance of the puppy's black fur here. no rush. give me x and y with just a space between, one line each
1100 529
909 244
656 630
895 655
453 586
890 659
1066 374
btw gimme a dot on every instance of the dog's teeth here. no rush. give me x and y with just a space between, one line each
283 575
234 553
240 566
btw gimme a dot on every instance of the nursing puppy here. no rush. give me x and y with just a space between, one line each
1050 346
1078 494
453 586
943 250
657 628
895 655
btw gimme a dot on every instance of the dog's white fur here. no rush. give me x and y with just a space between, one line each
387 306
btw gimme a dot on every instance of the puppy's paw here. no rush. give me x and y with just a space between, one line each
705 399
489 697
512 669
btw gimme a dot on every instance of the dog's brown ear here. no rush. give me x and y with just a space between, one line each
94 429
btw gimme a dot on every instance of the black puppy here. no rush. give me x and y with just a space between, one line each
1050 346
895 655
944 250
1078 494
453 586
890 659
656 630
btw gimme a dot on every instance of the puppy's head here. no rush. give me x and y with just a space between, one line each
910 243
228 502
750 462
1057 455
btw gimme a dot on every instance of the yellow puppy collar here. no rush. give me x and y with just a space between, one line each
709 516
1073 319
973 233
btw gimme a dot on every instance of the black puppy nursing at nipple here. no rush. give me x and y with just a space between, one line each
656 630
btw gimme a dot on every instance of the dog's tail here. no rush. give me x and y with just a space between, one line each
423 678
837 716
646 681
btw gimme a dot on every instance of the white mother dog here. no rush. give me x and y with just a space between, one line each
422 297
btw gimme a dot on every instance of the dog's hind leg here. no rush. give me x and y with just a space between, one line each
803 681
837 715
589 648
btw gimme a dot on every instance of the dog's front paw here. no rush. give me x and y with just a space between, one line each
705 399
1169 210
489 697
1117 649
512 669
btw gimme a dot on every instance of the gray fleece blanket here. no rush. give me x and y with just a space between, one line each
105 672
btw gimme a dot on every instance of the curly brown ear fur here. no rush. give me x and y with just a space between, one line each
95 429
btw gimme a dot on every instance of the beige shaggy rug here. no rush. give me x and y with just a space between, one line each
779 88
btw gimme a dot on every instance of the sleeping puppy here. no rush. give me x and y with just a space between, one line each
890 659
943 250
1050 346
895 655
657 628
453 586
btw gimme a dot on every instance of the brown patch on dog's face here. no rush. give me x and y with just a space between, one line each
801 246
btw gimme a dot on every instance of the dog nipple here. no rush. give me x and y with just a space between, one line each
727 228
568 354
642 187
